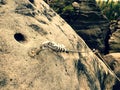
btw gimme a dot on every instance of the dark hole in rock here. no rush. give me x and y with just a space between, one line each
19 37
33 14
11 79
29 6
32 1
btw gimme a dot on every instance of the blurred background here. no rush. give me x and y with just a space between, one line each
110 8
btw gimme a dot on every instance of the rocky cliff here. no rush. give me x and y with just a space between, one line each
87 20
32 59
114 41
113 60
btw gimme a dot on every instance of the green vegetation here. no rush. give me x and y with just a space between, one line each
61 6
110 9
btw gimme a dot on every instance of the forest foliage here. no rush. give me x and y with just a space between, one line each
61 6
110 8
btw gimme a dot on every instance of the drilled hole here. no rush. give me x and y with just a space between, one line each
32 1
19 37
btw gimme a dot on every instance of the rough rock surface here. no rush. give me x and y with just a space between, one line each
113 60
88 21
24 26
114 41
91 25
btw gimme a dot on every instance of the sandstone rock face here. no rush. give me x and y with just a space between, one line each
114 41
92 26
113 60
88 21
24 26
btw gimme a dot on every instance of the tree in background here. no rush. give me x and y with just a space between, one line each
110 8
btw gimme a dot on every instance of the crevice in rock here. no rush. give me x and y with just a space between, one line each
32 1
107 47
116 86
26 9
38 29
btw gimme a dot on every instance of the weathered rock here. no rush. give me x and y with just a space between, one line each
113 60
88 21
114 41
113 26
92 25
24 26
